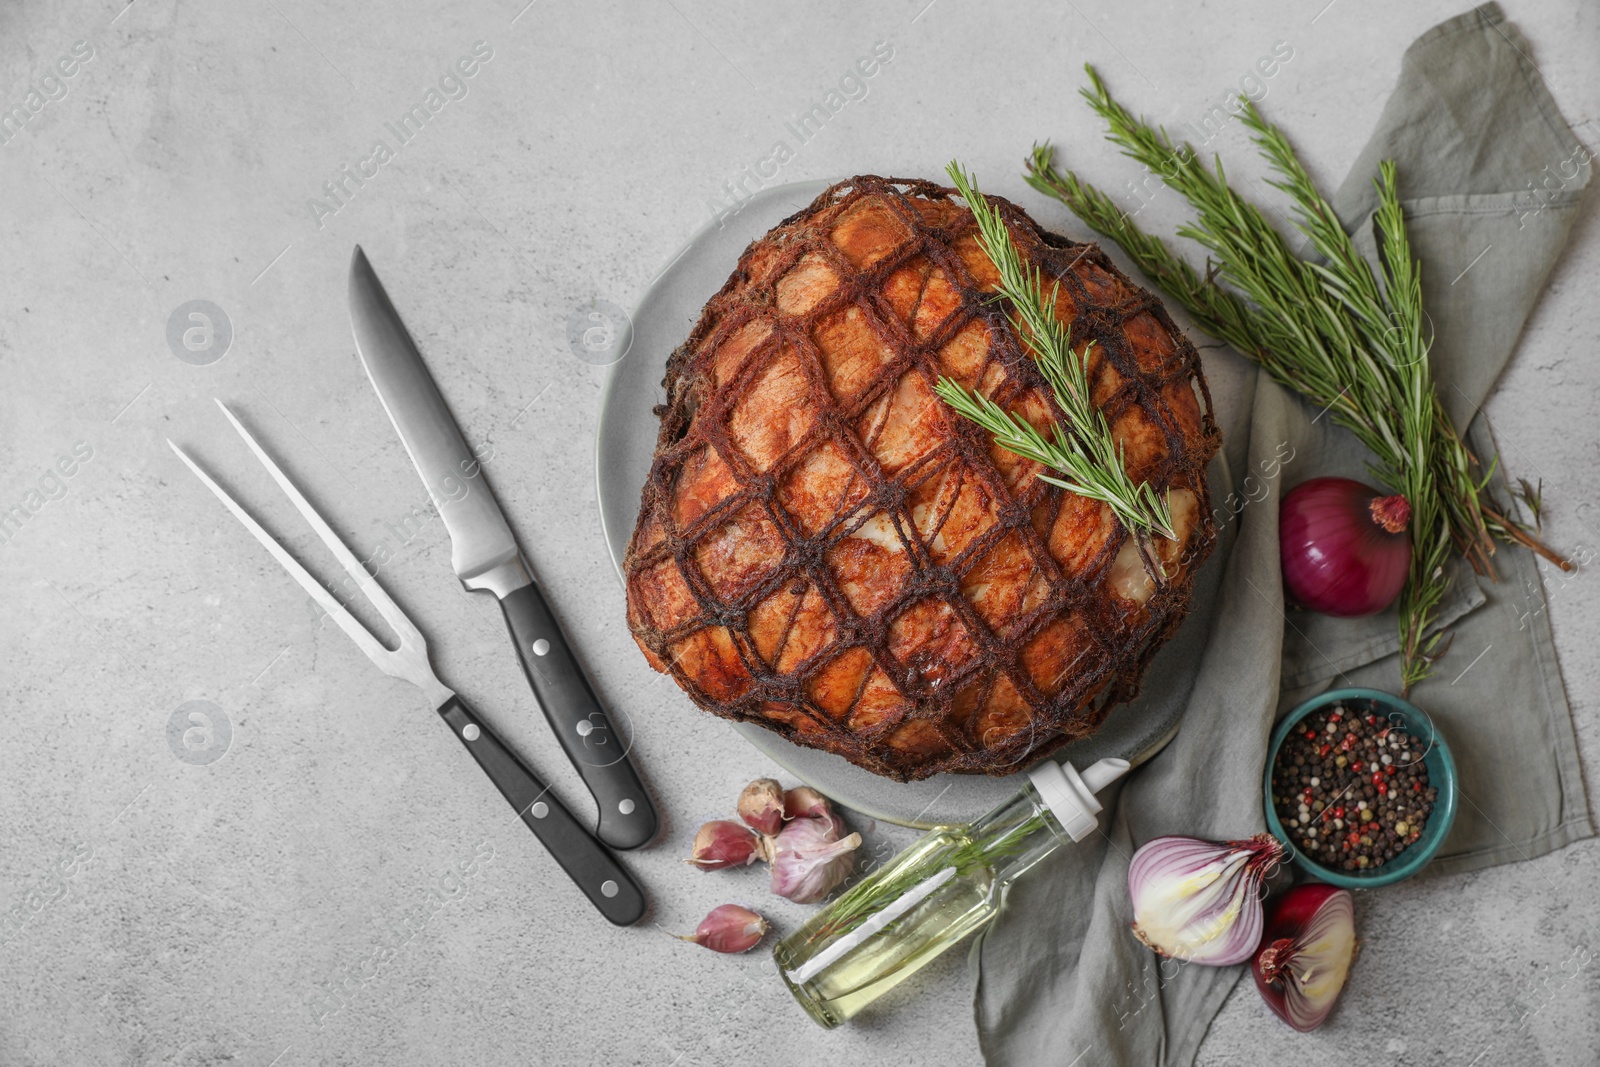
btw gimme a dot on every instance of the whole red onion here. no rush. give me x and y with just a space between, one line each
1345 546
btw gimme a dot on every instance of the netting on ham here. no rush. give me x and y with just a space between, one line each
824 548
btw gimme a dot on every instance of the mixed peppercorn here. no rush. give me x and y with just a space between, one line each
1350 787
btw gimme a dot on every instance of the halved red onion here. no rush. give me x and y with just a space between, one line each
1306 954
1200 900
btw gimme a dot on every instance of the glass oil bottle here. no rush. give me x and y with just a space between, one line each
929 898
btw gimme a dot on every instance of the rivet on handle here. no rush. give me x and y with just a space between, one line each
470 731
540 647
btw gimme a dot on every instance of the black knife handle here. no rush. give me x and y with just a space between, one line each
609 886
627 817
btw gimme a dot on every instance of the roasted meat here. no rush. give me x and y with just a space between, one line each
825 548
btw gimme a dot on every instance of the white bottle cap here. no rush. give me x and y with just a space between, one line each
1070 795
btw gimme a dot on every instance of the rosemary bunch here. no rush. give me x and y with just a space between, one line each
1084 450
1328 330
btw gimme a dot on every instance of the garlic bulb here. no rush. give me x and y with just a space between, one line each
810 858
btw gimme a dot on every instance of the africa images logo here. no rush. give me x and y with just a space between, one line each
49 487
199 332
343 186
852 87
47 90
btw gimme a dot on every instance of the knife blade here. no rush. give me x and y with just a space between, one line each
485 556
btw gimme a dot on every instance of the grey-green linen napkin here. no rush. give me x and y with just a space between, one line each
1491 178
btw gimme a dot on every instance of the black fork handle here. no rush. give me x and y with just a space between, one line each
607 884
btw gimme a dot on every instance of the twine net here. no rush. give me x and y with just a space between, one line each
826 549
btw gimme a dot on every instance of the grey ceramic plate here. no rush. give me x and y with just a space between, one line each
623 451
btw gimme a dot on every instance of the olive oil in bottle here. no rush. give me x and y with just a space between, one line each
930 897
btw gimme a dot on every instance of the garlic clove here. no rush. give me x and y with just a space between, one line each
725 843
803 802
810 859
761 806
729 928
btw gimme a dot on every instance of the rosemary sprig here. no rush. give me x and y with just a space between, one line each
880 889
1083 450
1425 429
1327 330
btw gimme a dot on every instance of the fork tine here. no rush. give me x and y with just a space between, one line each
326 600
403 628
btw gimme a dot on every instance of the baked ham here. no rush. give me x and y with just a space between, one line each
826 549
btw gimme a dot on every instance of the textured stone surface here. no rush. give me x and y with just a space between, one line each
179 912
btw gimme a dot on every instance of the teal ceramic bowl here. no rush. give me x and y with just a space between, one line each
1441 776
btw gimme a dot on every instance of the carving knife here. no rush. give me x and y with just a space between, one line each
485 556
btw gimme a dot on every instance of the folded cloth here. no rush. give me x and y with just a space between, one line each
1491 177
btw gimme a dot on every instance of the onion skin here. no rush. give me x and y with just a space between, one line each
1339 554
1306 953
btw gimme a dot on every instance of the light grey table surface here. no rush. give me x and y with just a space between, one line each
167 910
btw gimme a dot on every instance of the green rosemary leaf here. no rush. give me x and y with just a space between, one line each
1084 452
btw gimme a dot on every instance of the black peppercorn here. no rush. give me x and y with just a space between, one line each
1333 774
